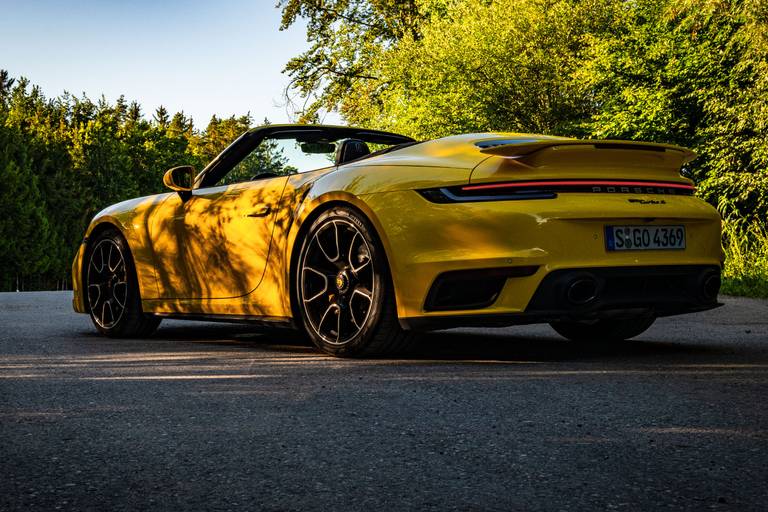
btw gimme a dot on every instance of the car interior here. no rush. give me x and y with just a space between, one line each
350 150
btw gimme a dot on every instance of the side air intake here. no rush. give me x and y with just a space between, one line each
471 289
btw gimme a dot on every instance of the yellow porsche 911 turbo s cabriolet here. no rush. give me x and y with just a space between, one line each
361 238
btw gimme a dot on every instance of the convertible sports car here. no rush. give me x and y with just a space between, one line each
361 237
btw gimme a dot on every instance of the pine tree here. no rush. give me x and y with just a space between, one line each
134 112
161 117
24 235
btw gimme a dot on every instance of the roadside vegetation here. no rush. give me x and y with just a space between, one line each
746 258
687 72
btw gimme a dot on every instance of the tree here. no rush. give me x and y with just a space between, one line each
24 235
6 83
161 117
475 68
693 72
219 134
346 37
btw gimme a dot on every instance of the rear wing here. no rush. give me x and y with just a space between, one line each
527 149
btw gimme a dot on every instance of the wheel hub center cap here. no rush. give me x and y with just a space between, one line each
342 282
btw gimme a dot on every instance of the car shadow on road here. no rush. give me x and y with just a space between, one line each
442 346
484 346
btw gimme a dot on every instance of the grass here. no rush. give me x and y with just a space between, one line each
746 258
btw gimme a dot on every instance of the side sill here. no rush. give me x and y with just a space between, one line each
265 321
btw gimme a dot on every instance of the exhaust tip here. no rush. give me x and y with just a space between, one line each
711 286
582 291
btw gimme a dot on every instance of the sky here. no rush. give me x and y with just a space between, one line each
203 57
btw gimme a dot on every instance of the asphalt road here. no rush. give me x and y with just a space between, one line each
224 417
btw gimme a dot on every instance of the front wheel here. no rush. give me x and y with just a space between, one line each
112 290
343 290
603 331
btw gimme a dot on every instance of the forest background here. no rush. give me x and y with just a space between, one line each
687 72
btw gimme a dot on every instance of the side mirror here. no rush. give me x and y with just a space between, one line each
180 179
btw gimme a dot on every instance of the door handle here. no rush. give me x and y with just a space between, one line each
259 212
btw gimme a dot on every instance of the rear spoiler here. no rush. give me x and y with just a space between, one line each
524 149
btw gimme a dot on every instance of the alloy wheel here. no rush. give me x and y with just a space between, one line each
337 281
107 282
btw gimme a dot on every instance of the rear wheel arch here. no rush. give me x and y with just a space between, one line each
304 228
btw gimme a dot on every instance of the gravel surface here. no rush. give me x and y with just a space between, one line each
223 417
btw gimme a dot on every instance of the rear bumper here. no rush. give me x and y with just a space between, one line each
595 293
664 290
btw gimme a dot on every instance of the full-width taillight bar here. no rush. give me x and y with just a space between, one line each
578 183
549 189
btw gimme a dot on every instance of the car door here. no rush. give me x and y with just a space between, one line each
215 243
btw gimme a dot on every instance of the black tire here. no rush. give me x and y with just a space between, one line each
109 279
603 331
340 262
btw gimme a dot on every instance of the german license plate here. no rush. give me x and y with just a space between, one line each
640 238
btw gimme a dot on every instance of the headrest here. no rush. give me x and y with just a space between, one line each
351 149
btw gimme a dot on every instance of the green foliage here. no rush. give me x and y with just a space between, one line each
745 243
346 37
686 72
62 160
746 258
24 230
478 67
266 158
